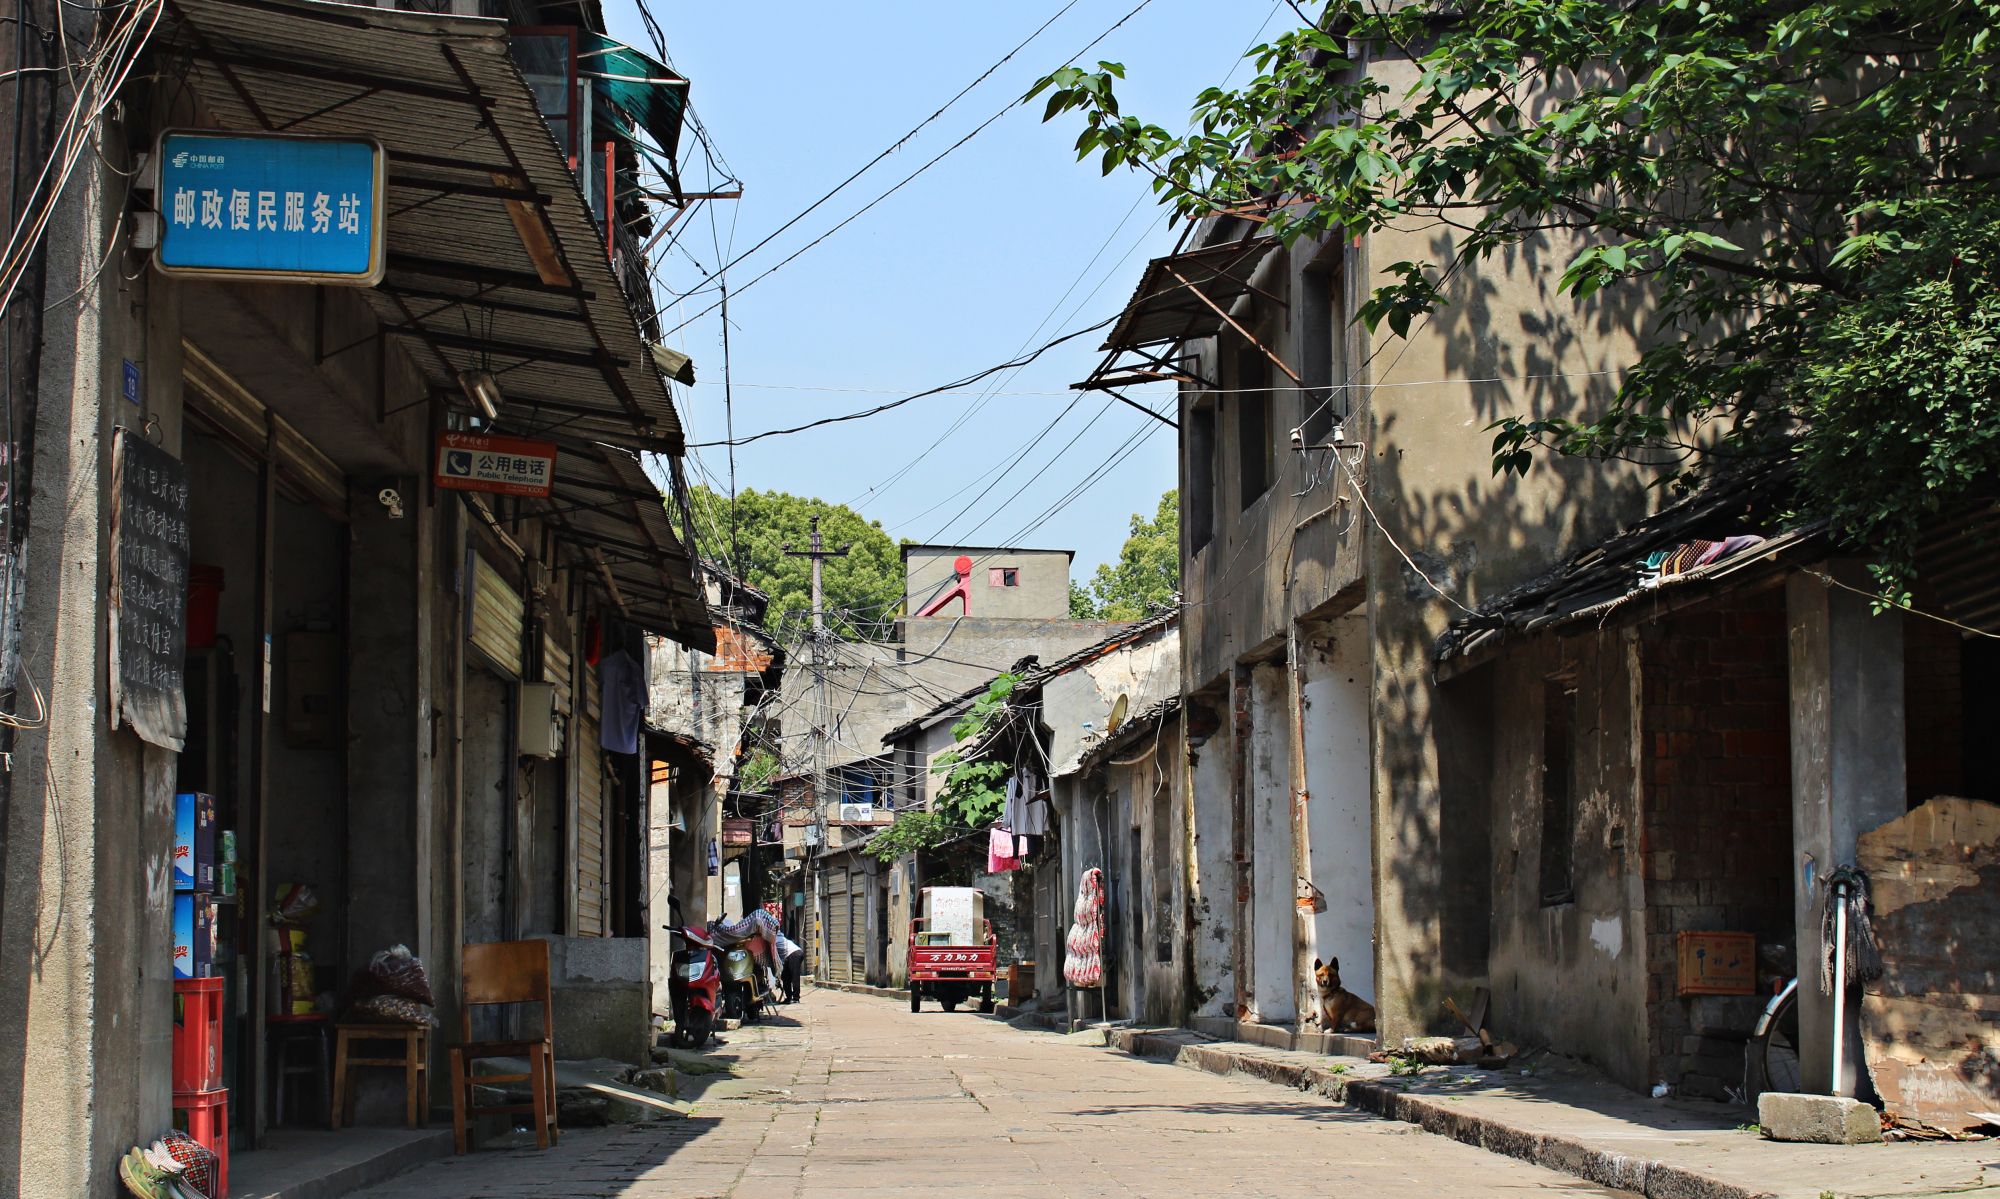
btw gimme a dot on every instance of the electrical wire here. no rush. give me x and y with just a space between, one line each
893 404
913 175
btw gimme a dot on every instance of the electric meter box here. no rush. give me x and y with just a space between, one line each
540 731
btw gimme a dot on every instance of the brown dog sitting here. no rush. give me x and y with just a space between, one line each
1340 1010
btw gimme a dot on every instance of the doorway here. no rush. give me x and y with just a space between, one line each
1339 809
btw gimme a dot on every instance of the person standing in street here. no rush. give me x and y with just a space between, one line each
792 959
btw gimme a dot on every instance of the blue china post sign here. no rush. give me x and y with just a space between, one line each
273 208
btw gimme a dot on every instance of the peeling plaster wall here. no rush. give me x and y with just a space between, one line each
1145 672
1274 918
1571 974
1211 888
1338 811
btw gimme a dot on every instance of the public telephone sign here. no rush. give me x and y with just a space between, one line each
271 208
505 465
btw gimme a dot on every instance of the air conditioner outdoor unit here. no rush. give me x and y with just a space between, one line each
857 811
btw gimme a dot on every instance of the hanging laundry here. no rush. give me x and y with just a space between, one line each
1000 856
1016 809
621 679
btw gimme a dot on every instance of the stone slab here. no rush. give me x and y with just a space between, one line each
1817 1119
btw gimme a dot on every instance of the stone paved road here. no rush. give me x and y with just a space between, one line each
852 1096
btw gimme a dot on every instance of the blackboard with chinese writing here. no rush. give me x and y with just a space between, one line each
149 572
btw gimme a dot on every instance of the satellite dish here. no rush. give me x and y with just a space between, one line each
1118 707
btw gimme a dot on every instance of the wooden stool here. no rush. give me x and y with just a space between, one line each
415 1065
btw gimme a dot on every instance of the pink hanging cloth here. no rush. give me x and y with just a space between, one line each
1000 856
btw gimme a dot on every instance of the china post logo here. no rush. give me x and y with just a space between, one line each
181 159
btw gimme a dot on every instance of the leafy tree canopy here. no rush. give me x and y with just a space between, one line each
862 590
1805 190
974 794
1146 576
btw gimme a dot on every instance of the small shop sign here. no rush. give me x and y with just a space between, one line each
505 465
738 831
273 208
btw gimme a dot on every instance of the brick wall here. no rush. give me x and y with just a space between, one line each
1716 809
1933 709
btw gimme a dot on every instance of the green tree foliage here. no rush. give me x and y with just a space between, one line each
1147 575
1804 191
974 793
862 590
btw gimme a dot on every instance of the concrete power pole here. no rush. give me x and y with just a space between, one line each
822 952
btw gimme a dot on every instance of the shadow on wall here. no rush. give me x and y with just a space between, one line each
1533 352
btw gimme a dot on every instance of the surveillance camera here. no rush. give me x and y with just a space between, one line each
392 501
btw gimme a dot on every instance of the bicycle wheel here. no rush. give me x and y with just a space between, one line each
1771 1059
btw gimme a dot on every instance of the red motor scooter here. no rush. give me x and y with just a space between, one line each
695 987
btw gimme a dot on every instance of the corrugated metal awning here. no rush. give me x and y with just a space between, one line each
495 261
1183 296
604 503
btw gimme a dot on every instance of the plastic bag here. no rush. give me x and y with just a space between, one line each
397 971
392 1009
294 903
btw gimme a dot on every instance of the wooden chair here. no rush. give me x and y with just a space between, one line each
505 972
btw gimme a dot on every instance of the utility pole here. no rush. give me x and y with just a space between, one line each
819 554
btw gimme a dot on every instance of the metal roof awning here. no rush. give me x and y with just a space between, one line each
494 260
1181 297
606 507
1188 295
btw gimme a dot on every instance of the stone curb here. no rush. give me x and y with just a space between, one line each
1650 1177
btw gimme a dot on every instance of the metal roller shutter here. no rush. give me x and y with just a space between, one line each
840 927
857 927
592 900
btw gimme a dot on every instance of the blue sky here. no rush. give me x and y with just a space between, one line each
986 254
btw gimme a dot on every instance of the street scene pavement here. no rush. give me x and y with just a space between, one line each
846 1095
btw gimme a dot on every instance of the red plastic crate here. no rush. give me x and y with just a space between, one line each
197 1035
204 1115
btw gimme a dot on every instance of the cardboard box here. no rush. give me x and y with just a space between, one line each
194 842
194 935
1717 963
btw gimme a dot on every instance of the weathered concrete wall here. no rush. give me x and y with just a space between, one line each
1275 982
388 735
1041 591
1338 809
603 998
85 966
1076 705
1847 776
1571 972
1211 876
